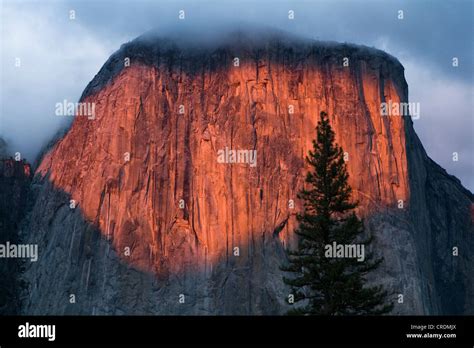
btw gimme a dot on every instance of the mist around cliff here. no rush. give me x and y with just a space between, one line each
59 56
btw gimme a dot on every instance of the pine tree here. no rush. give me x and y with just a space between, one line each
331 285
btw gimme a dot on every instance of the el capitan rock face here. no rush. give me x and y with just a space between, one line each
158 216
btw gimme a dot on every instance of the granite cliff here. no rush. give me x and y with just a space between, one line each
134 214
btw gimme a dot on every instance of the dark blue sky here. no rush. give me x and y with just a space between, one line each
60 56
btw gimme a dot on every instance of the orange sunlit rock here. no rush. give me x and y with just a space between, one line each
172 126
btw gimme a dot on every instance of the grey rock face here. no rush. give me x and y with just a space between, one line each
441 214
15 178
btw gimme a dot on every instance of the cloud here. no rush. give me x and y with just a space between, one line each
58 57
446 124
